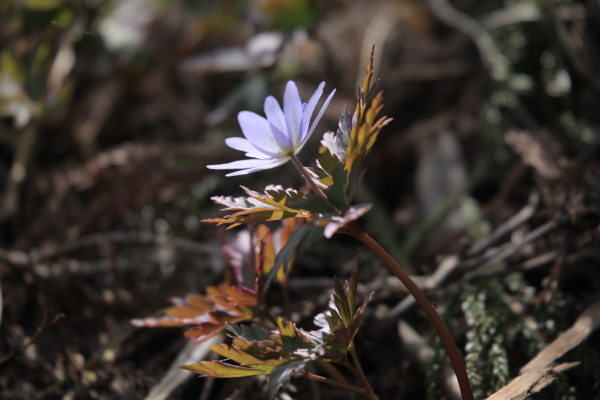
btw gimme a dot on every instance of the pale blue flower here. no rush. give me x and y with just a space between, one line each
270 142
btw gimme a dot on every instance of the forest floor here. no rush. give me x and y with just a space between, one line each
485 186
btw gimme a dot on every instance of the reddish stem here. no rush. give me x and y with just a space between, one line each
333 382
453 353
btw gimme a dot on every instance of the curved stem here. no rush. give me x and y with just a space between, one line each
453 353
306 176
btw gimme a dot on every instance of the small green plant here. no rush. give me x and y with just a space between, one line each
284 352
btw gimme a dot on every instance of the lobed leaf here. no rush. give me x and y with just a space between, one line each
275 204
281 375
268 245
353 213
220 369
300 239
209 313
350 144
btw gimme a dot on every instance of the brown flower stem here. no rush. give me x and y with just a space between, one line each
453 353
306 176
357 371
333 382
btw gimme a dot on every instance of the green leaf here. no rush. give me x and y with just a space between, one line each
341 302
340 323
353 286
301 239
281 375
337 193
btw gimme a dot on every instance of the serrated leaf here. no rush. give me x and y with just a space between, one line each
341 321
338 222
259 333
237 330
281 375
337 193
350 144
291 200
301 239
248 333
341 302
333 145
203 331
239 296
357 319
364 133
235 354
353 286
220 369
252 216
209 313
326 163
286 328
247 355
277 203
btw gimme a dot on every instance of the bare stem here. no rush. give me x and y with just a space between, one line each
306 176
453 353
333 382
357 371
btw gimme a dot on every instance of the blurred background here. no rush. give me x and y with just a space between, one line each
110 110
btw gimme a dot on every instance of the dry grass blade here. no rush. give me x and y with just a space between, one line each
542 370
174 376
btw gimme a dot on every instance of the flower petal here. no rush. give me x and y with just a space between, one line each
284 143
292 108
316 121
275 114
244 164
309 109
275 162
241 144
258 131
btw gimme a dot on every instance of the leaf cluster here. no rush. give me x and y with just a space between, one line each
342 153
237 302
285 351
209 313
